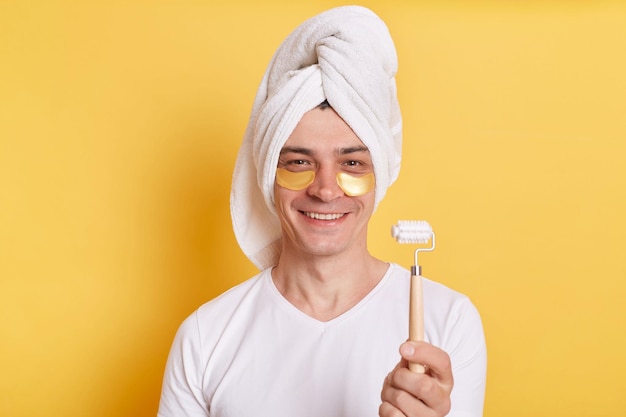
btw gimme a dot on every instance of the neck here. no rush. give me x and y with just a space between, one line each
326 287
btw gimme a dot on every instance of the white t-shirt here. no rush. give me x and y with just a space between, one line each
249 352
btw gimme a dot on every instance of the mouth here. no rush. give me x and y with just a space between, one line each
323 216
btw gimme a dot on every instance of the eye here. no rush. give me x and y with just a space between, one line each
295 164
356 166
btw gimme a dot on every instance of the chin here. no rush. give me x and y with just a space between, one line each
324 248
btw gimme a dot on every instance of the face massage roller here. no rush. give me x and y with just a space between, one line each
415 232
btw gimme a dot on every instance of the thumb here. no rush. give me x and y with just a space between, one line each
408 351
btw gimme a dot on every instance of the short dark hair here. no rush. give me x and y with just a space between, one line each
324 105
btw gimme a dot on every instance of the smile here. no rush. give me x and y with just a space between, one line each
323 216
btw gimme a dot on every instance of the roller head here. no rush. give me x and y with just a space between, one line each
412 231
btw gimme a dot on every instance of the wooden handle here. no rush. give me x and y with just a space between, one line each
416 317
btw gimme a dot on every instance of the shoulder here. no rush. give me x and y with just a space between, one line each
454 324
440 296
449 314
235 298
216 313
234 295
436 294
452 311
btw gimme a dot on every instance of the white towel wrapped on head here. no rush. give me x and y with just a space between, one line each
346 56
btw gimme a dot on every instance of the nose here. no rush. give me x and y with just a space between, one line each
325 186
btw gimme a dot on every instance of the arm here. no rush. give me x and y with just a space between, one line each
181 394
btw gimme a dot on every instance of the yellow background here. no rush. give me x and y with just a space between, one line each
119 126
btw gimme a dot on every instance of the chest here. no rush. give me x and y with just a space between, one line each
281 364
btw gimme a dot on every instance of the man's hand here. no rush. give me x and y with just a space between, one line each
410 394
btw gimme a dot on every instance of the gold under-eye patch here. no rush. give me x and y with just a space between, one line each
294 181
351 186
356 186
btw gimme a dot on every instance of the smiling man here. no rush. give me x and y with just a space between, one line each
321 331
324 220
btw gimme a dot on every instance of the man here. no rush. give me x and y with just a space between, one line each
317 331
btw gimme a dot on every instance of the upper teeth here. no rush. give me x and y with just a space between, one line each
322 216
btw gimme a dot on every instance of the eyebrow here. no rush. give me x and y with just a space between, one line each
295 149
354 149
309 152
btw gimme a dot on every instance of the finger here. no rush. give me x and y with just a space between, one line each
417 394
398 402
433 388
436 361
388 410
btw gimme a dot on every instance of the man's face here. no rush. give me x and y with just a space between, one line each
318 218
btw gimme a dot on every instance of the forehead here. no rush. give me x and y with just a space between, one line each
323 130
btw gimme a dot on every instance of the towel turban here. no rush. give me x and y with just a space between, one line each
344 55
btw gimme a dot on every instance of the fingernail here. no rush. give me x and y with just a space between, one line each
407 349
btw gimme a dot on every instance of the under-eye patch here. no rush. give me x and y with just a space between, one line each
294 181
351 185
356 186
